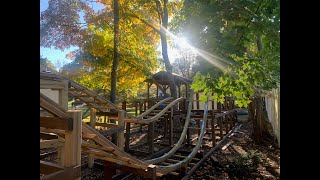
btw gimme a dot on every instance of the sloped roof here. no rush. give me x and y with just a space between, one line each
161 77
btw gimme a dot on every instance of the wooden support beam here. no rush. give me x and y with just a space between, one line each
120 134
93 120
124 105
51 106
107 171
48 167
171 127
111 131
107 125
73 139
197 101
213 132
104 148
56 123
136 108
151 137
88 136
55 131
106 113
48 136
63 95
220 126
127 142
147 173
49 143
152 172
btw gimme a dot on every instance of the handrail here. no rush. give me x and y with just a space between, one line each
182 137
153 107
156 117
186 160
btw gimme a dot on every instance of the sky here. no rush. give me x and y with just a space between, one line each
58 57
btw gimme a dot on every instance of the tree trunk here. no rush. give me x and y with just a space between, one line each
260 127
164 46
115 52
113 96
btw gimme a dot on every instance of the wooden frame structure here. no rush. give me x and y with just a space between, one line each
70 133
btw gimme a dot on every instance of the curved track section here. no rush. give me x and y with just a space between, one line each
185 161
182 137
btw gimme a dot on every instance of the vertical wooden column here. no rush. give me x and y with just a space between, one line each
171 128
213 133
228 125
107 171
212 102
186 91
136 108
198 126
140 109
208 120
63 102
157 95
152 172
151 137
179 90
73 140
197 101
60 152
188 136
220 119
93 125
120 134
127 142
124 105
63 95
166 126
145 105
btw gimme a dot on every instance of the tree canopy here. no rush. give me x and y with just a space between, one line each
245 35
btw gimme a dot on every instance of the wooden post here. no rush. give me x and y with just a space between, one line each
60 152
198 126
148 95
157 92
166 127
213 133
221 127
136 108
171 127
152 172
212 102
93 125
151 137
73 140
227 123
120 134
63 95
144 105
186 90
107 172
179 90
124 105
197 101
140 107
127 142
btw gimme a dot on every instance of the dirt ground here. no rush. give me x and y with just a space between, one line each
240 158
237 158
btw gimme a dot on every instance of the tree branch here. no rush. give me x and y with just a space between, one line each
159 10
250 20
146 23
